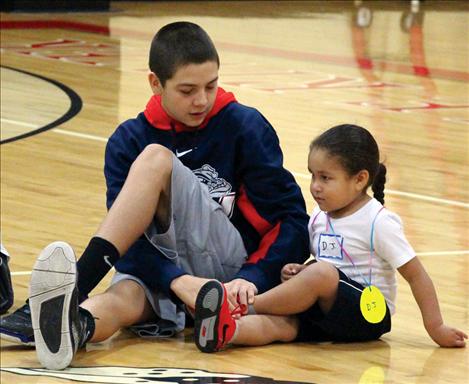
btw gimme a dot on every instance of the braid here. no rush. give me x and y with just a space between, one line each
378 183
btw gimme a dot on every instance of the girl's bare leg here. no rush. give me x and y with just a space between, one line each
317 282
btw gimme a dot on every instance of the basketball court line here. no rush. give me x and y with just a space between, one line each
407 194
420 254
81 135
74 108
410 195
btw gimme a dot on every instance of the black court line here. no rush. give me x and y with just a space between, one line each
75 107
126 374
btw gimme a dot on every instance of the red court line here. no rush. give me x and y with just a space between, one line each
382 65
58 24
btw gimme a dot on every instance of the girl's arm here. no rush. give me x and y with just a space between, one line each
425 296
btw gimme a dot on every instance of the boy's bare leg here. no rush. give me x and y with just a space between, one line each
121 305
317 282
186 287
265 329
146 193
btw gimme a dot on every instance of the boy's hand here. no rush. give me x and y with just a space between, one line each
290 270
446 336
240 292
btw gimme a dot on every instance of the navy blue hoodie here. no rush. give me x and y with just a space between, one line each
260 197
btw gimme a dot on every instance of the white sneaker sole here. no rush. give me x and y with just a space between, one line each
53 280
207 305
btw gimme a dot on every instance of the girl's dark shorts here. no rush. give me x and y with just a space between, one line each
344 322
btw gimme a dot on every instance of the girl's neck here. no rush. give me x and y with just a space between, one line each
351 208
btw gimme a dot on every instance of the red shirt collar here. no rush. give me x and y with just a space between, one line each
158 117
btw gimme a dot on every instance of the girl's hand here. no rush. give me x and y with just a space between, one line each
425 295
290 270
446 336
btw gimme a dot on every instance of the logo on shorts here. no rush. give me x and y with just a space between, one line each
219 188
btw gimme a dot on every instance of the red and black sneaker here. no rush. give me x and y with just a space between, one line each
214 324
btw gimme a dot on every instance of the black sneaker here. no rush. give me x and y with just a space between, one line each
17 326
53 300
6 288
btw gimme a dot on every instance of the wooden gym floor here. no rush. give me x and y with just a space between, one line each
402 72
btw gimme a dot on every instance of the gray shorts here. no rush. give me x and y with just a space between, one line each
200 239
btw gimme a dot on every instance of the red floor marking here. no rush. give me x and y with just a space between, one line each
385 66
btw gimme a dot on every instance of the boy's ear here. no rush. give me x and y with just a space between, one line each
155 83
362 178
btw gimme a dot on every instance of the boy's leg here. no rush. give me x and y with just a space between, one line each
186 288
144 196
265 329
318 282
121 305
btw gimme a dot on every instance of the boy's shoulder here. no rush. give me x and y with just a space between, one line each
132 135
242 109
132 127
136 122
242 117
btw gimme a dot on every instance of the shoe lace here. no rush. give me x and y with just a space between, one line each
238 310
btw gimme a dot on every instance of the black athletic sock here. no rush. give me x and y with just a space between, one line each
99 257
87 325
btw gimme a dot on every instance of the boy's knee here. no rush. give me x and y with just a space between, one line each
156 158
126 291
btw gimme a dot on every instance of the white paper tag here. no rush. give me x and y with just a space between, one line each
328 246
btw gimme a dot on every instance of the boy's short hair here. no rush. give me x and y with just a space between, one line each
178 44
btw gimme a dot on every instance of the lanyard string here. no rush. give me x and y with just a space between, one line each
372 249
372 246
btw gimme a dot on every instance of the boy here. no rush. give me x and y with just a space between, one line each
196 190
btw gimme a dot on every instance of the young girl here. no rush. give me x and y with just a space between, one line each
348 292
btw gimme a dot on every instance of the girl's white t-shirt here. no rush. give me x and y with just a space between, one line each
353 232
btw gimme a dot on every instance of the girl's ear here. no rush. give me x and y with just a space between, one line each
155 83
361 179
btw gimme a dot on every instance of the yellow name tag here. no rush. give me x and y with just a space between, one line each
372 304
